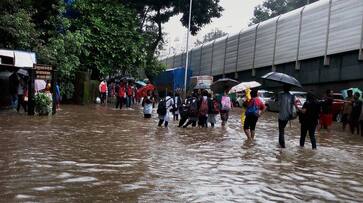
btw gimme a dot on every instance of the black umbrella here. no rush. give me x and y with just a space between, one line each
202 86
282 78
223 84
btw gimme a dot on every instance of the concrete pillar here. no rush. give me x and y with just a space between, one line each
326 57
297 62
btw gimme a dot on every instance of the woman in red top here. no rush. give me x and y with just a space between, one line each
122 94
255 108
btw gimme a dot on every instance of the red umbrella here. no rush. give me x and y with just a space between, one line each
142 91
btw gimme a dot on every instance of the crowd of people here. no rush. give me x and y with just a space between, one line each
201 109
124 92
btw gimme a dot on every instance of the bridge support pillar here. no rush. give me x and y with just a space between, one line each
326 60
297 65
273 68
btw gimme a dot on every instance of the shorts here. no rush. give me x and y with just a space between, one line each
250 122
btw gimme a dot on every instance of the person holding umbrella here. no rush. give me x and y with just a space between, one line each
287 104
286 111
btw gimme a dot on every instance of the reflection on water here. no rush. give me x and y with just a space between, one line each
94 153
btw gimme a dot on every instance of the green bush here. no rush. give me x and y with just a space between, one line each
42 103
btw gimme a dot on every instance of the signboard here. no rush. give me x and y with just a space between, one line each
43 72
206 79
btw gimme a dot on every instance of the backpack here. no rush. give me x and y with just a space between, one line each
162 108
252 110
294 112
226 103
184 110
215 107
193 107
203 108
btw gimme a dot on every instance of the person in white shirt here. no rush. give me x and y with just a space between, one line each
164 107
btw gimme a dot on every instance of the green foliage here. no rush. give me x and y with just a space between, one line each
106 37
41 100
42 103
152 14
17 31
272 8
154 68
67 89
111 36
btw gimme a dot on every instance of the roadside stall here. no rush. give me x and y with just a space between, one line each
19 76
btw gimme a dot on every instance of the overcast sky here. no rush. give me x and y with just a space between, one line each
236 15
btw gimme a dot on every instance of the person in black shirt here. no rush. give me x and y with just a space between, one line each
356 110
309 116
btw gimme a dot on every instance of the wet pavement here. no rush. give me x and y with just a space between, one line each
93 153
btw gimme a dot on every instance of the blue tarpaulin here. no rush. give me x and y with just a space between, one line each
172 79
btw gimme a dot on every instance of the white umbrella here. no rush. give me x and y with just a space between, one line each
39 85
23 72
243 86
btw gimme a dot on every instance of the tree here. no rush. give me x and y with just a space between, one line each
152 14
214 34
112 41
272 8
17 31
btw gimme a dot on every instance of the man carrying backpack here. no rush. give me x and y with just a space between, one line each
164 108
254 109
203 110
286 110
192 103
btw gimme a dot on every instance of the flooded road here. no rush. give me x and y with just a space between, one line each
93 153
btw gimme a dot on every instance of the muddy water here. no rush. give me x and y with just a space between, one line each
89 153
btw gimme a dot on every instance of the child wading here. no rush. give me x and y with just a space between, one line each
255 108
164 107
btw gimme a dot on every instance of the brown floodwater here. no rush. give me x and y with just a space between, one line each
94 153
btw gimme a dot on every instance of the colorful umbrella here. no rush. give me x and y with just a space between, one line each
243 86
345 92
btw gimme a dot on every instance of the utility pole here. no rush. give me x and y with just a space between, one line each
187 50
